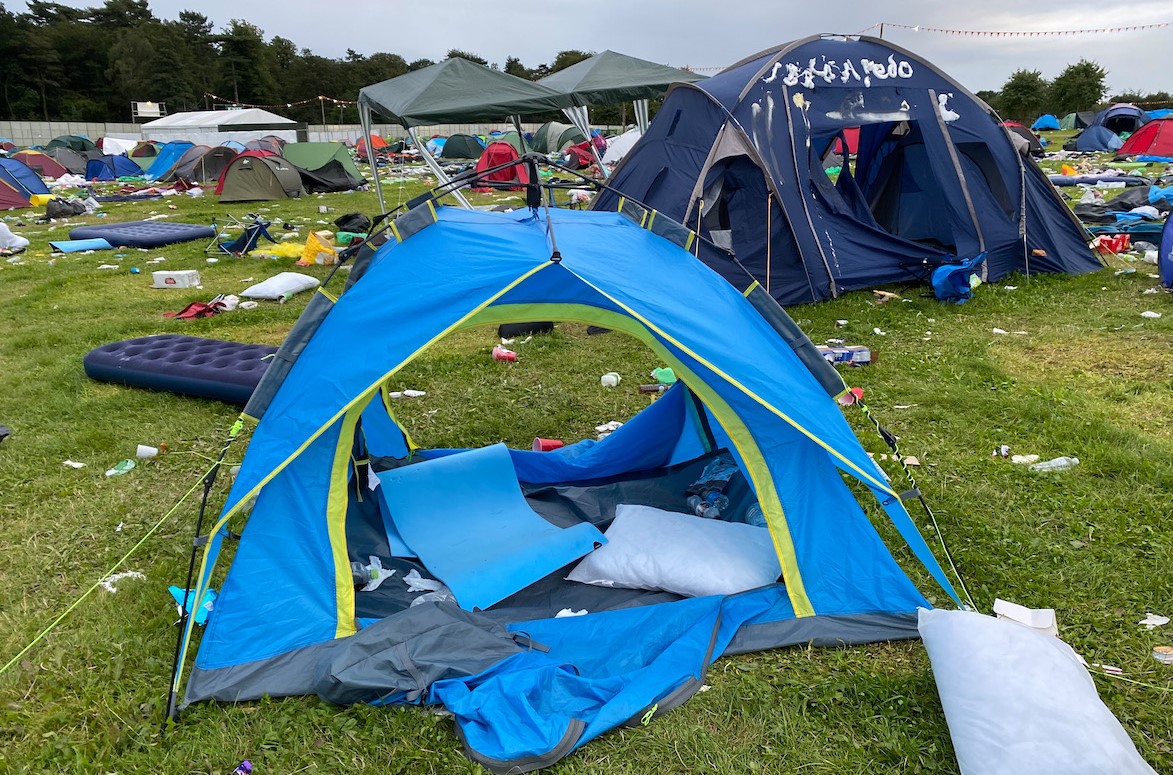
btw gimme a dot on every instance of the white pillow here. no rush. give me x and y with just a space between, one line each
649 548
285 284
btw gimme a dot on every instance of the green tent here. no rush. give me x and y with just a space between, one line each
255 178
612 77
511 137
555 137
315 156
460 146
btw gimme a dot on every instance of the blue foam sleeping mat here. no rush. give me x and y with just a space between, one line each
188 365
143 234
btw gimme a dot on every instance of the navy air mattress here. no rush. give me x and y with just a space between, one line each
188 365
143 234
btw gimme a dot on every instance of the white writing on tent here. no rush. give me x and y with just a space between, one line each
829 71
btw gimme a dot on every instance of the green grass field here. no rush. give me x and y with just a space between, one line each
1089 377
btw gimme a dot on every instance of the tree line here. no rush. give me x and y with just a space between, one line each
1026 95
90 64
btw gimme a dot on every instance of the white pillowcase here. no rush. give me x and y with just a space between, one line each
280 285
649 548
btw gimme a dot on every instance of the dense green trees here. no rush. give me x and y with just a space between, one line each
1027 94
89 64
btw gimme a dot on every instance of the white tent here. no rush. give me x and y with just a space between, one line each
617 147
215 127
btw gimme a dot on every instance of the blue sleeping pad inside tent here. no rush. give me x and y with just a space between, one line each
188 365
143 234
466 519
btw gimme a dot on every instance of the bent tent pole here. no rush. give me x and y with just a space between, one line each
578 116
435 167
641 115
364 118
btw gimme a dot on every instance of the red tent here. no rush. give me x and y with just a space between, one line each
377 143
852 135
1154 139
500 152
242 154
46 166
11 199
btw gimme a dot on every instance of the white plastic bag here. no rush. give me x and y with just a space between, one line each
280 286
1019 702
10 241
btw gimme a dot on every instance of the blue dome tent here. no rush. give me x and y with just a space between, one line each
1045 122
741 156
288 619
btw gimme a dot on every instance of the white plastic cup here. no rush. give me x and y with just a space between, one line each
143 452
610 379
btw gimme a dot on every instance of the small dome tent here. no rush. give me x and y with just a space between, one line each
935 179
259 176
1121 118
1045 122
461 146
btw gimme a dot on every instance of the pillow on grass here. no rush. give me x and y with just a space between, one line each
280 285
653 549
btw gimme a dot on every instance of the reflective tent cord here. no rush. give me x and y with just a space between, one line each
891 441
110 572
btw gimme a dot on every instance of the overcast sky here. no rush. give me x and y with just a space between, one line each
708 34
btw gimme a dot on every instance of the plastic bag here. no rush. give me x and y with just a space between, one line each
1019 702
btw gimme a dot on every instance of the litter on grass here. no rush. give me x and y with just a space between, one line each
110 583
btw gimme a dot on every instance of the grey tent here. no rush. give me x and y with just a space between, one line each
257 177
324 167
451 92
1081 120
460 146
612 77
555 137
68 158
202 164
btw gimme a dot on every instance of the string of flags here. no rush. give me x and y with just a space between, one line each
297 104
1017 33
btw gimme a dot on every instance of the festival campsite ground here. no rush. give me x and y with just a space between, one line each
1087 376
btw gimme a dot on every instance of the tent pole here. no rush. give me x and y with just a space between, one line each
436 169
364 119
581 119
520 134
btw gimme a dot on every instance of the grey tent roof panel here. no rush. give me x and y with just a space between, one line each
457 91
613 77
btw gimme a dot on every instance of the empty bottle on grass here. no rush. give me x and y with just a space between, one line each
1058 464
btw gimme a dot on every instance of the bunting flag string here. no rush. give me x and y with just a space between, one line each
1016 33
297 104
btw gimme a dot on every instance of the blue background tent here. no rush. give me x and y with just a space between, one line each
1165 257
741 157
1045 121
167 158
1098 138
1121 117
111 167
288 601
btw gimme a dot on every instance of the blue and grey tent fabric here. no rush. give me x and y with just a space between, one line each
111 167
288 601
740 157
167 157
22 178
1045 121
1080 120
1097 139
1121 117
1165 254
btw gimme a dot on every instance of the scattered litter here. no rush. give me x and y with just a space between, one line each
1000 332
1150 314
883 297
904 406
248 305
836 341
1019 333
434 591
212 260
73 464
502 354
570 612
1056 464
1150 291
1120 272
118 528
878 332
245 767
505 341
1002 451
1041 619
1152 621
1010 287
1111 669
608 427
109 583
1163 654
1024 459
840 323
610 379
850 396
120 468
109 266
183 603
145 451
407 394
370 575
663 375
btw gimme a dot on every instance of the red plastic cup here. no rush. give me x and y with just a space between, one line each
501 354
547 445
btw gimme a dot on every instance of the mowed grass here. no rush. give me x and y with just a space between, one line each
1089 377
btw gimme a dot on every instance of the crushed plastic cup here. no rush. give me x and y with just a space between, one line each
145 451
502 354
547 445
120 468
610 379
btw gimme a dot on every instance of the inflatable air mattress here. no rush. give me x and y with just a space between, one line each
143 234
188 365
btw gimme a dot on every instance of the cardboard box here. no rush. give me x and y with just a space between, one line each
186 278
853 355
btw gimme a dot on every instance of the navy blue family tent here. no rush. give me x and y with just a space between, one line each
111 167
1044 122
740 157
493 532
1096 139
1121 117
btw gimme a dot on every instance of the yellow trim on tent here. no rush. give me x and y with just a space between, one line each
336 504
752 286
739 434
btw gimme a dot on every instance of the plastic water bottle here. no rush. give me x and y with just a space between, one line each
709 504
1058 464
753 516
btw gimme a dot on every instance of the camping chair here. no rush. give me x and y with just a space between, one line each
247 241
951 282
